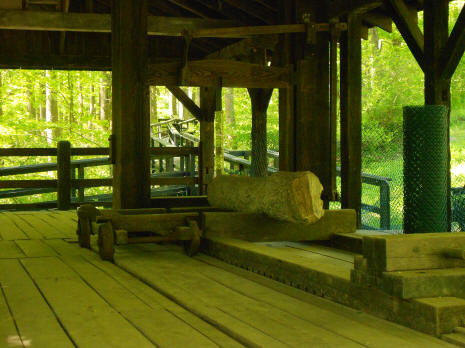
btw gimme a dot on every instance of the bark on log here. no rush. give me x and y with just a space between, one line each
288 196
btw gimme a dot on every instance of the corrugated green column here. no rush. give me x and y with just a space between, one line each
425 169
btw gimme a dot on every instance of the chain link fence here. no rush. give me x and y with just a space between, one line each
382 148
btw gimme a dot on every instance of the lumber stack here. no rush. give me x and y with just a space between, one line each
413 265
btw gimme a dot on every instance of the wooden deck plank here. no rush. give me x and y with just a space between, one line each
64 219
63 247
66 229
88 319
48 231
350 323
35 320
22 222
35 248
9 230
155 299
167 271
9 335
9 250
171 331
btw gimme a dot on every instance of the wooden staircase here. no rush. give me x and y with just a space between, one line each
457 337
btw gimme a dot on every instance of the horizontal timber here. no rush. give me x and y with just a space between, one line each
100 23
174 151
205 73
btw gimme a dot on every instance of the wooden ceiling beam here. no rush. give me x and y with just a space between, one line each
406 23
229 11
254 9
100 23
244 49
188 6
378 19
206 73
338 8
454 49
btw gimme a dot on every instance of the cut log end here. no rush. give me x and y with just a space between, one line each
287 196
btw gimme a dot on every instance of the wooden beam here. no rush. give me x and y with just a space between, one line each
437 89
188 103
351 117
312 123
204 73
454 48
378 19
409 29
244 49
210 101
131 121
338 8
254 10
100 23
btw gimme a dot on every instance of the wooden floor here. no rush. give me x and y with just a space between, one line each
55 294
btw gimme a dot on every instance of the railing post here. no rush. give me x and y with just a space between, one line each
385 205
81 189
64 175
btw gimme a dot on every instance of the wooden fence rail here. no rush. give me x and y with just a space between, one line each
66 183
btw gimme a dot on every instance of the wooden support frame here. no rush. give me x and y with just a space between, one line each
100 23
131 121
187 102
205 73
454 49
351 117
409 29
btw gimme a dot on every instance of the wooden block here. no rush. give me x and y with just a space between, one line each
121 237
259 228
106 241
161 224
412 251
429 283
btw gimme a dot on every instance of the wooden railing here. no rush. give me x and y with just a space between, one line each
66 182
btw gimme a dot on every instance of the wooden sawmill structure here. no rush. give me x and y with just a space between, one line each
311 51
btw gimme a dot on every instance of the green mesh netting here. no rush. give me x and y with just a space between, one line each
425 169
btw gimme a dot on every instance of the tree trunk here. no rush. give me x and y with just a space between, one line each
30 99
80 98
229 106
1 94
260 99
104 97
153 105
288 196
71 100
50 107
92 110
173 106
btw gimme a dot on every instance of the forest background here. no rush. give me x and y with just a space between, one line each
39 108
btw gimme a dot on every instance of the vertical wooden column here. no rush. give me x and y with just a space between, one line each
131 119
437 89
64 175
286 95
210 101
351 116
313 128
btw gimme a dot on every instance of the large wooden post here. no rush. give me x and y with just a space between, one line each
351 116
286 95
210 101
313 128
131 119
437 88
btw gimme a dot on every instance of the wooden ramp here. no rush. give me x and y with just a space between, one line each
55 294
